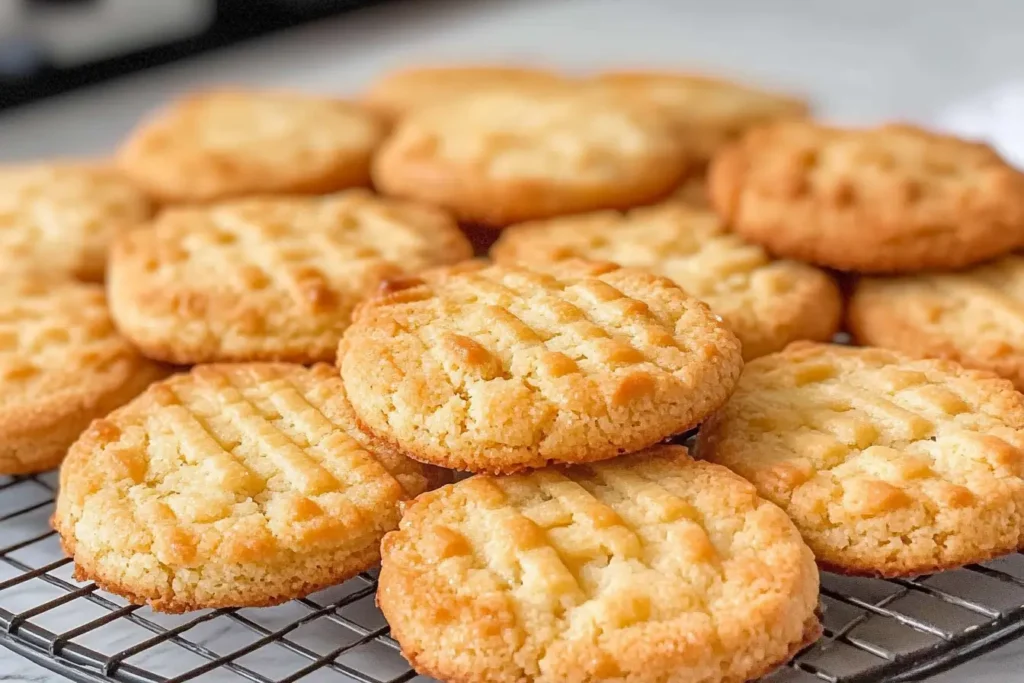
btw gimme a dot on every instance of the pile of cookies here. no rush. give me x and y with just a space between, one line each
264 375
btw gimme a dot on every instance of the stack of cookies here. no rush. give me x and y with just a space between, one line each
289 368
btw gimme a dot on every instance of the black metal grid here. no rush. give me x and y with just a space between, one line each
875 630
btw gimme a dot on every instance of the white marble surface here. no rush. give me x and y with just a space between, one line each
861 62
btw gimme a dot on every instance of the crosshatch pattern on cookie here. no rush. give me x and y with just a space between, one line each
767 303
886 464
975 317
61 218
268 278
511 362
62 364
50 333
512 155
893 198
243 475
627 553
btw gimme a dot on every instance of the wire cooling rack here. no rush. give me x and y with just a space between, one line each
874 630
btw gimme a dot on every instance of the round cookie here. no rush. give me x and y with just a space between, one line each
709 112
502 368
400 92
268 279
766 303
223 144
62 364
888 199
508 156
888 466
59 219
230 486
651 567
974 317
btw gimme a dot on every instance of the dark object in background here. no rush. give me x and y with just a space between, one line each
52 46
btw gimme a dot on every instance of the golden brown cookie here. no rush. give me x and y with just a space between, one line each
508 156
693 191
709 112
647 568
62 364
975 316
230 486
59 219
888 199
268 279
766 303
502 368
402 91
226 143
888 466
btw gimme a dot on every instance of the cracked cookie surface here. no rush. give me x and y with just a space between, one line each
229 486
889 199
268 279
505 367
650 568
888 466
765 302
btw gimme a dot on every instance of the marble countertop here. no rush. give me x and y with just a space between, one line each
859 62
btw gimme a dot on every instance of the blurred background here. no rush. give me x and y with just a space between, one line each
76 74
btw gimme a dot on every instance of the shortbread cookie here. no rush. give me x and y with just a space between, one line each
59 219
268 279
708 111
400 92
501 368
652 567
62 364
888 466
508 156
889 199
229 486
975 317
766 303
224 144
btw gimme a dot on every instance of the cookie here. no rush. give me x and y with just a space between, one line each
888 199
268 279
709 112
62 364
652 567
502 368
400 92
693 191
508 156
974 317
889 466
230 486
766 303
59 219
223 144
